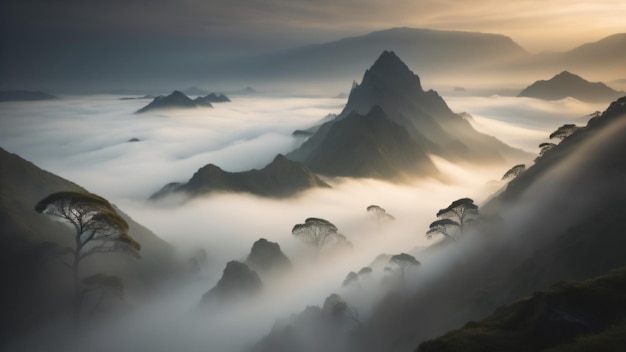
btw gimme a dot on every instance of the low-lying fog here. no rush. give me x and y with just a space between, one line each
85 139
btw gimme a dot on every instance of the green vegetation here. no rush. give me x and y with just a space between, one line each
570 316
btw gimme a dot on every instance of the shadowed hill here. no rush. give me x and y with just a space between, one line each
281 178
25 234
573 315
565 85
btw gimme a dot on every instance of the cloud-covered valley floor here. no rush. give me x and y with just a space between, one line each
85 139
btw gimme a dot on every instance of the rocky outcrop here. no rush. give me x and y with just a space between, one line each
238 281
266 256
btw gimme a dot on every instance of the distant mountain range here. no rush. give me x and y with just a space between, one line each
281 178
24 95
178 100
428 51
433 53
389 124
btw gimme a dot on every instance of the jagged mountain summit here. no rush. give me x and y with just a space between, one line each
176 100
567 84
281 178
391 89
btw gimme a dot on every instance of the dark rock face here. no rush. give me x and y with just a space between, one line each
238 281
24 95
281 178
565 85
389 88
369 146
176 100
267 256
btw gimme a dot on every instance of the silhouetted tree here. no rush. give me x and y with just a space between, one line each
379 213
441 227
514 172
336 307
319 233
97 229
544 147
403 262
461 211
564 131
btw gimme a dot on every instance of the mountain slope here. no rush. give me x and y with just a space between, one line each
555 317
559 220
431 125
566 84
25 234
281 178
369 146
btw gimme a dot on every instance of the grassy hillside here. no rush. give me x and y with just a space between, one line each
570 316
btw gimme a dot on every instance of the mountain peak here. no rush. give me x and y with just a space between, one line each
566 75
388 58
394 72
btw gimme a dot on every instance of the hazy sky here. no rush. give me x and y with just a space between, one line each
54 37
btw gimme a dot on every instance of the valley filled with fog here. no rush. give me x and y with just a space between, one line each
85 139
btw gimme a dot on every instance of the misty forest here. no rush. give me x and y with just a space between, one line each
308 183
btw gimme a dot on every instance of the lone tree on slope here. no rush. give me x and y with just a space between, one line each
402 263
441 227
319 233
564 131
545 147
379 213
459 213
97 229
514 172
